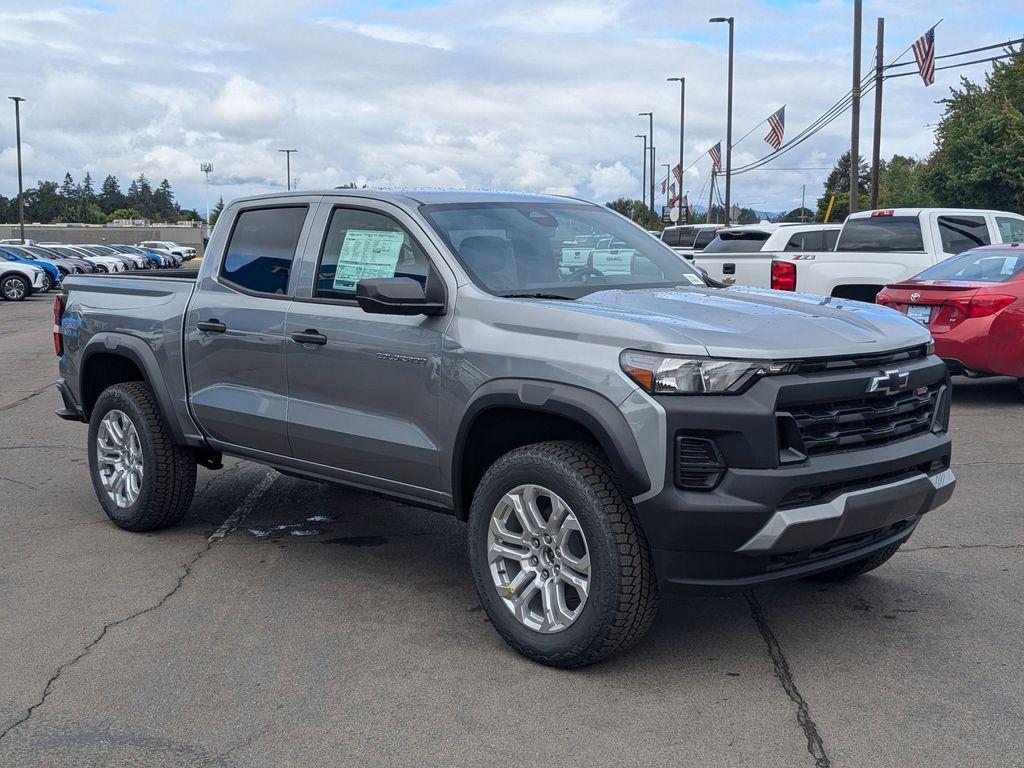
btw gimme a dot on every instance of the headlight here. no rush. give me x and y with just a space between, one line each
666 375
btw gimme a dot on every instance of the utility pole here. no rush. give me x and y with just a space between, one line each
643 181
711 195
288 164
855 119
668 181
803 200
682 125
207 169
654 216
876 149
21 185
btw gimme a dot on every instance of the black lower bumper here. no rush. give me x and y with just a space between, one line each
772 515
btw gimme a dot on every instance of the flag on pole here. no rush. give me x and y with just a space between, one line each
777 127
664 183
716 156
924 52
672 196
678 173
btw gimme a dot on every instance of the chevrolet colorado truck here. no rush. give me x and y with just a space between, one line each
612 426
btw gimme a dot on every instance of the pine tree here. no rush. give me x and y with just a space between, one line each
88 191
68 190
217 210
111 197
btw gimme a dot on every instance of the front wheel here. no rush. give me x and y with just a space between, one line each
14 288
560 561
47 283
141 478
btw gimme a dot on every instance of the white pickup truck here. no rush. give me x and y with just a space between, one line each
874 248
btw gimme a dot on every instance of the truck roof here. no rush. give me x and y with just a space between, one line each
880 212
425 196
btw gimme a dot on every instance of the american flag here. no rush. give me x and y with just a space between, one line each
678 173
716 156
672 197
924 52
777 124
664 185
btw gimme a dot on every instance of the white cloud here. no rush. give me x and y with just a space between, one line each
540 95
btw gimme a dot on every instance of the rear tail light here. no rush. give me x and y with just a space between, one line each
982 306
883 299
783 276
58 315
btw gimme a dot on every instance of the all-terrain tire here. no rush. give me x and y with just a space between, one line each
622 601
169 470
858 567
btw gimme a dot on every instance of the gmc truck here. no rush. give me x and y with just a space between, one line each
874 249
612 428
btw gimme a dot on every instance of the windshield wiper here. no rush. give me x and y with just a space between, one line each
556 296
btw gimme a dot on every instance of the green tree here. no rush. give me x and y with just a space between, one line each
164 206
901 184
88 190
43 202
124 213
979 156
111 197
217 210
635 210
68 190
838 184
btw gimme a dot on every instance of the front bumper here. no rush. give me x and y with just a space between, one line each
773 515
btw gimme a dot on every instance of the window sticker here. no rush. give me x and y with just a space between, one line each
694 279
367 253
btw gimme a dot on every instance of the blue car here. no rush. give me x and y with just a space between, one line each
51 275
159 260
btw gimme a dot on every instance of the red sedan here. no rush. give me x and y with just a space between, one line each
973 304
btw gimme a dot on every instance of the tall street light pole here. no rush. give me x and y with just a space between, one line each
650 118
288 164
728 120
21 186
643 181
682 125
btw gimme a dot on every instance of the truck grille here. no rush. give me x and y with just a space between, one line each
849 425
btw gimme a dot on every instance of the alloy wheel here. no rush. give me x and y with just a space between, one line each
119 454
14 289
538 558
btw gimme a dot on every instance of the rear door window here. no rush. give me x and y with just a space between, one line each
805 241
679 237
831 237
262 248
961 233
1010 230
704 237
883 234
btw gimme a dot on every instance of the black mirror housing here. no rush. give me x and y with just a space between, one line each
395 296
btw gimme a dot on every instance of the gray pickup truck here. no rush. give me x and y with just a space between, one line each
612 425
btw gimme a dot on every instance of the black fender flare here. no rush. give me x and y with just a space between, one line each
591 410
138 352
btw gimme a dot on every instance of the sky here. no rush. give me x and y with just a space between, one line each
531 95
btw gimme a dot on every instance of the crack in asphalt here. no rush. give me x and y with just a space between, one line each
16 482
961 546
25 399
815 746
243 509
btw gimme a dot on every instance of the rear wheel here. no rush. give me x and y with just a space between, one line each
142 479
560 561
14 288
47 283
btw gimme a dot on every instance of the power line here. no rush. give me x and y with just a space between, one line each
960 64
964 53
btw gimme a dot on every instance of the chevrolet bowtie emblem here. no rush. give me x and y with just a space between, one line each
889 383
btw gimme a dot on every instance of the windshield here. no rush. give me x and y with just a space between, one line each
554 249
999 266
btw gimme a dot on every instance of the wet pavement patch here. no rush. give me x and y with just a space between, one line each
357 541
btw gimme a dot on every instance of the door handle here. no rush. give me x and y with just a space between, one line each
309 336
211 326
728 269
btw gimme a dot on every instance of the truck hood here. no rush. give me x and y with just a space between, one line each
756 323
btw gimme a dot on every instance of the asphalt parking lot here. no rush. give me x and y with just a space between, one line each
290 623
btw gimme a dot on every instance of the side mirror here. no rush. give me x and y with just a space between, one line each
395 296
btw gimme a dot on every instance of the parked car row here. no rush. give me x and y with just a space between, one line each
957 272
39 267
